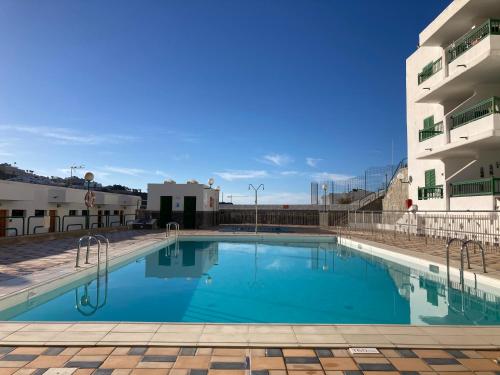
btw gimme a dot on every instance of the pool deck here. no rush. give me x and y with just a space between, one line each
139 360
25 265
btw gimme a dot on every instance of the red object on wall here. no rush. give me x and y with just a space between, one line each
409 203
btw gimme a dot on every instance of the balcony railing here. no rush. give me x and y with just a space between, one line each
430 192
430 70
480 110
473 37
484 186
430 132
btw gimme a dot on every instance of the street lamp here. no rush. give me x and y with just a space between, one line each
325 188
211 182
89 198
256 189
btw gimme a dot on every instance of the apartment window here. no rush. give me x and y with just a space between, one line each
85 212
39 213
116 212
106 213
72 212
18 213
430 178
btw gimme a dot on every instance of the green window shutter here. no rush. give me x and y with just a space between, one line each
429 122
430 178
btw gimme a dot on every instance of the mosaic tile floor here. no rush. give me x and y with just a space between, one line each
237 361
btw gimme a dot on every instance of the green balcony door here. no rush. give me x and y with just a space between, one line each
189 212
165 211
430 178
429 123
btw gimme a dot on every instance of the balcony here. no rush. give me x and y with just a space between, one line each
485 108
430 132
472 38
471 61
471 188
430 192
430 70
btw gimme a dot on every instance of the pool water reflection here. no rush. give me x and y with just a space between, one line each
264 282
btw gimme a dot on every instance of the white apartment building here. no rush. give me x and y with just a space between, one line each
192 205
31 209
453 110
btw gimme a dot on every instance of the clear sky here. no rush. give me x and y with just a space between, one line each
278 92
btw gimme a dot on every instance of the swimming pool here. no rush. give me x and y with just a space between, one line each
289 280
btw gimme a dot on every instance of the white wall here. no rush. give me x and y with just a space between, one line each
31 197
178 192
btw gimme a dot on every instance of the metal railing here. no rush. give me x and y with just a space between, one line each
430 132
485 186
429 70
430 192
6 227
169 229
473 37
482 109
425 226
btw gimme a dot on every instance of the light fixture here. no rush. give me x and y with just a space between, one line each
89 176
464 137
211 182
427 88
401 178
461 66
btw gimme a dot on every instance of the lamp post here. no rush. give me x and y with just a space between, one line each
89 198
212 199
325 188
256 189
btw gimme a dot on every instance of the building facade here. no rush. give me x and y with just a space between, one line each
453 110
31 208
192 205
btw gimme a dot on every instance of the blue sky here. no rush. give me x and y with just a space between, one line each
278 92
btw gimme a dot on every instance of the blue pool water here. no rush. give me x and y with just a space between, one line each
263 282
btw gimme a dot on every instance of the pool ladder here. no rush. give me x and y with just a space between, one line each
97 238
463 249
83 303
169 229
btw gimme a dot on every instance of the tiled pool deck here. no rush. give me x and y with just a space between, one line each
139 360
32 263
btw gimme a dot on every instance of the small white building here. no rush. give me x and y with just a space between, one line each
453 110
31 208
192 205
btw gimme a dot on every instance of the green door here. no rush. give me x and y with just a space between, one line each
189 212
165 211
430 178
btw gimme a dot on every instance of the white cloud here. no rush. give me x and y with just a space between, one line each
278 160
232 175
162 174
313 162
67 136
124 170
326 176
290 173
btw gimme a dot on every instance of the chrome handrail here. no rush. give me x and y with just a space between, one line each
176 228
101 237
448 244
97 238
481 247
89 239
